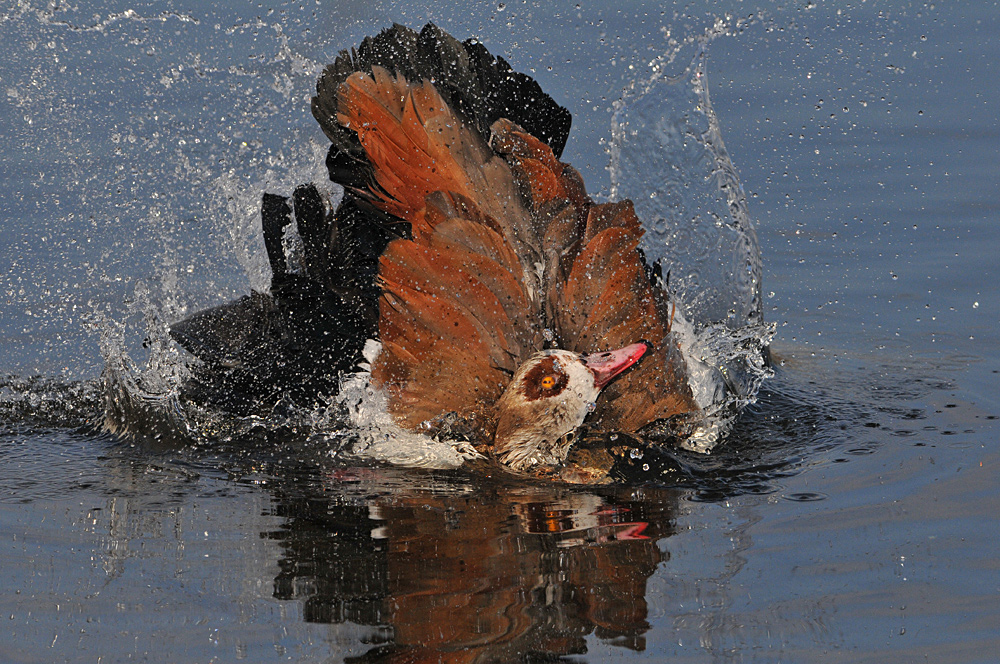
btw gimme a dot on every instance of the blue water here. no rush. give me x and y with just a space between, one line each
852 516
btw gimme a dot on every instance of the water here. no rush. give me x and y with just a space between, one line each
851 516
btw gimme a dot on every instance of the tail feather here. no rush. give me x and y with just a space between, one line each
275 216
290 345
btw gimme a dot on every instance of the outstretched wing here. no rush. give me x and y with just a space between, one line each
506 249
599 295
460 306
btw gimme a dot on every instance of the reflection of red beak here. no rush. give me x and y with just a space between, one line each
611 363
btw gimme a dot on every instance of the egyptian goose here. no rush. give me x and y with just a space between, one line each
504 298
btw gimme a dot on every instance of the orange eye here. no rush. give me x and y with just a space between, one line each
548 382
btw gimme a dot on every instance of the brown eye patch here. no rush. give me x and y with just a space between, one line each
545 379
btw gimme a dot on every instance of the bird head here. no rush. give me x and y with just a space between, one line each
549 397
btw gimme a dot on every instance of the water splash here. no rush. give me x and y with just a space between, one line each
41 402
668 157
143 397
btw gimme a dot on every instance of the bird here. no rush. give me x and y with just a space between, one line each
510 309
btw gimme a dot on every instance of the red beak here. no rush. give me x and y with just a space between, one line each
609 364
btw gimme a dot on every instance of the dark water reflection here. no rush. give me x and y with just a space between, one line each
440 567
481 575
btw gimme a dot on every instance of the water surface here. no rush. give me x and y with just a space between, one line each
851 517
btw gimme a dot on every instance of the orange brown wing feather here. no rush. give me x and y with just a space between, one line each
455 319
461 305
608 302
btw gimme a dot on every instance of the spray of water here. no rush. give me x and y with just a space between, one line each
668 157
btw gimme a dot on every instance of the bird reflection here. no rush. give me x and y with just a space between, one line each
496 575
